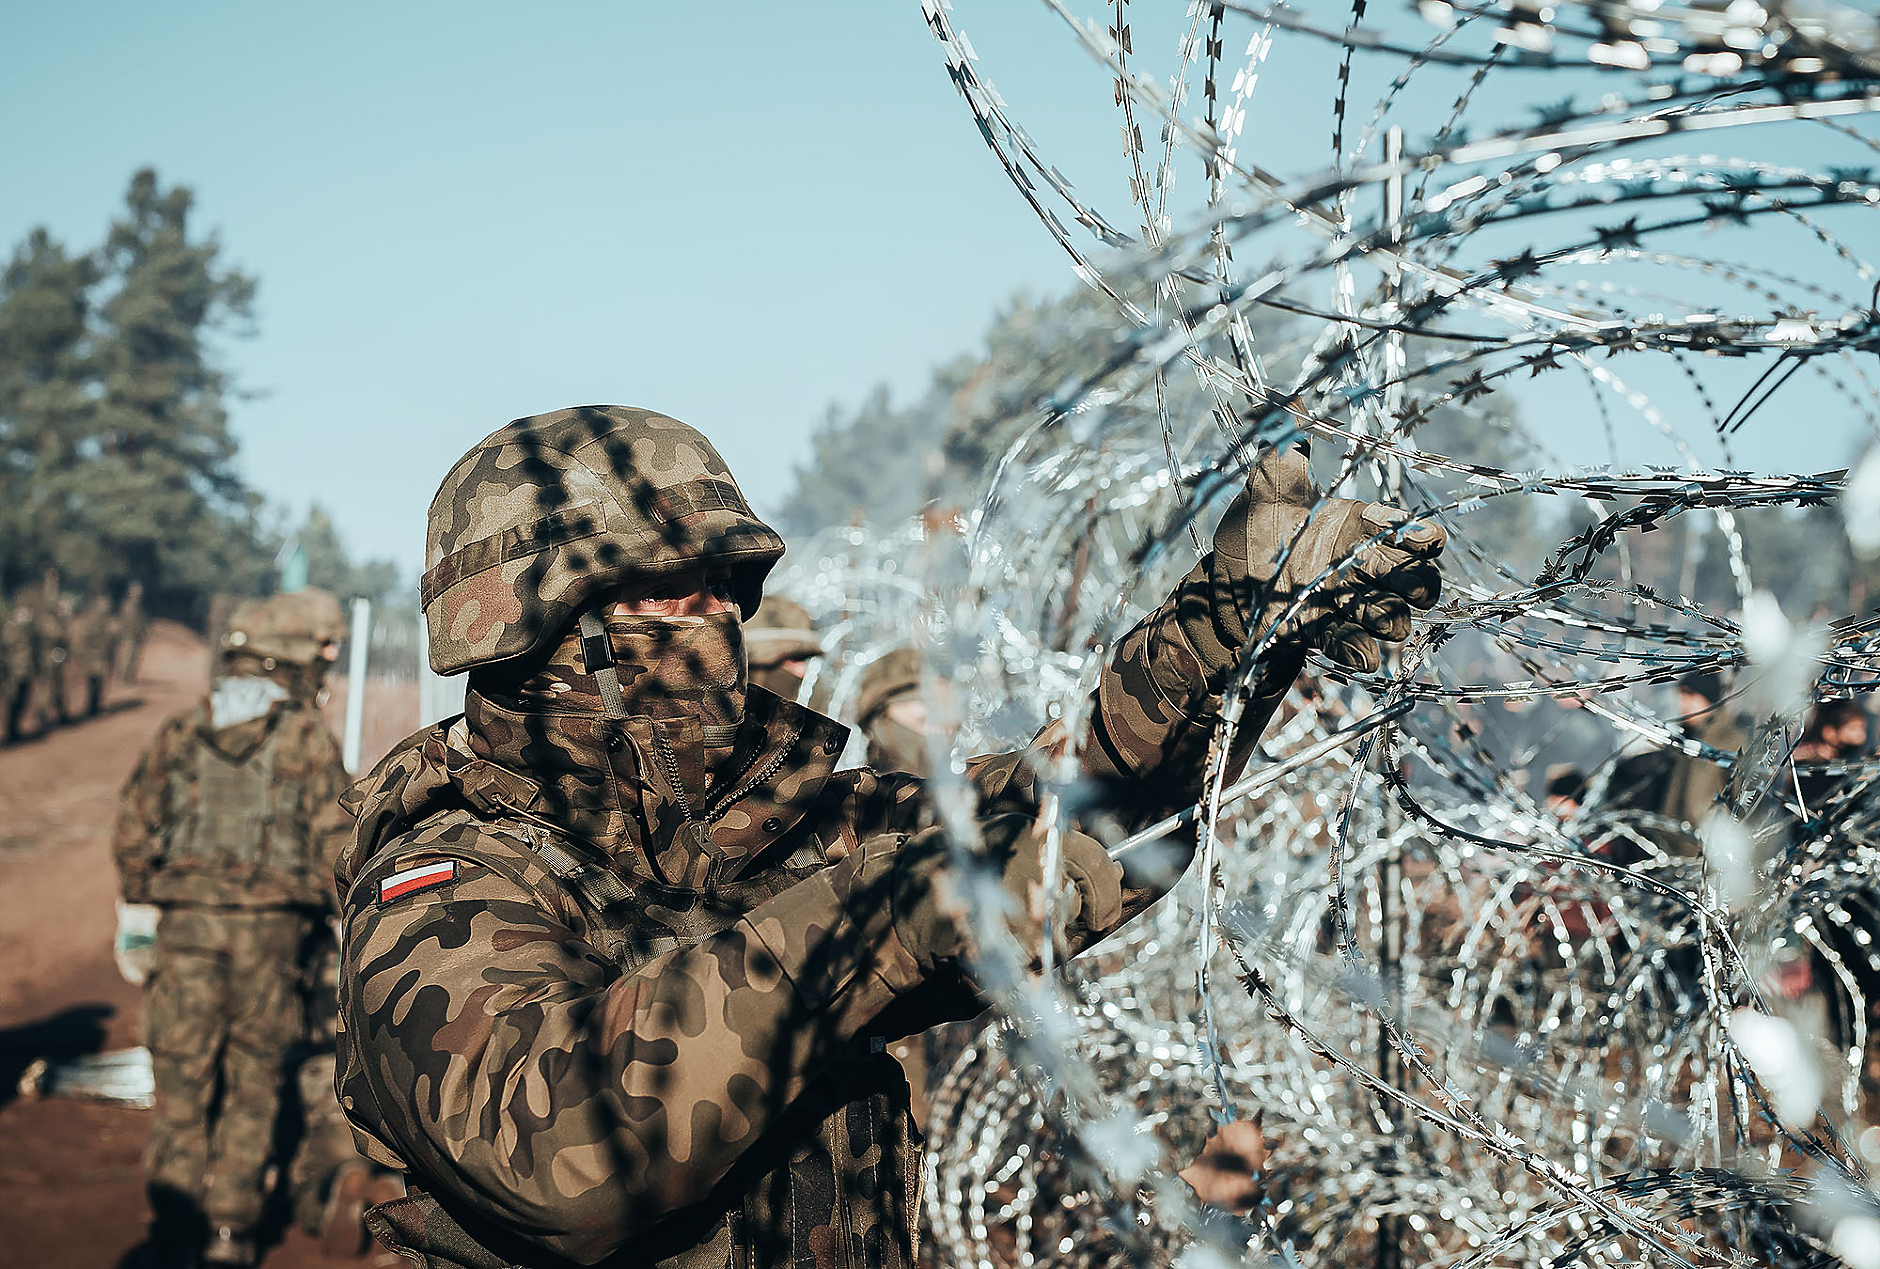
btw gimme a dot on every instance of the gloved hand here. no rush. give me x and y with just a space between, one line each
928 909
135 947
1249 587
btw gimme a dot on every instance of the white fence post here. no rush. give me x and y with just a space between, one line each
356 683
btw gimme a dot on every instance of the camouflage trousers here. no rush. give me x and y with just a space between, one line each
221 1010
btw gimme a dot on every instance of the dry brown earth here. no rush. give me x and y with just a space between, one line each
71 1192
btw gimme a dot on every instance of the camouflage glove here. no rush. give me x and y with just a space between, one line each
925 900
1249 587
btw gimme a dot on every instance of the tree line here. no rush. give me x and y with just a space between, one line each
882 460
116 459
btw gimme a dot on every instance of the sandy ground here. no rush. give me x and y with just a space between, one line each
71 1188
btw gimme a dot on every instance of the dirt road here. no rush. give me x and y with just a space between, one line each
71 1188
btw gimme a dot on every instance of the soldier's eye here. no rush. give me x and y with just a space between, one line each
718 585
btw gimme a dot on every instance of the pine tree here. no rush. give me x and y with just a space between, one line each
44 400
157 489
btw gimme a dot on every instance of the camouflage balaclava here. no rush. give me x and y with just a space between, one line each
892 744
663 666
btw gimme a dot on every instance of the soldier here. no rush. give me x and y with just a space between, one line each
1694 783
893 715
622 949
780 641
91 643
18 640
227 829
127 634
52 618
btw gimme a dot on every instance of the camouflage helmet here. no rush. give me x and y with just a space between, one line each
894 674
782 631
552 511
294 628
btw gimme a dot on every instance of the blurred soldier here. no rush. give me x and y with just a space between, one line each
780 642
127 634
52 618
622 947
1836 731
91 642
18 654
893 715
1694 783
226 835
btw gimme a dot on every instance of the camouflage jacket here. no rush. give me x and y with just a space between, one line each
246 816
588 1028
90 637
19 651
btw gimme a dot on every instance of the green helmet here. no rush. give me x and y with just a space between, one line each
783 631
554 510
294 628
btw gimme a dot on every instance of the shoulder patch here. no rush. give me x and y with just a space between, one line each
411 880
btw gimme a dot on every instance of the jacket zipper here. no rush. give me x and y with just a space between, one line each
722 807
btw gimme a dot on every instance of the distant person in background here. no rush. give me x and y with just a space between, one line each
1836 731
127 634
1669 781
52 620
1694 782
781 641
91 643
1564 792
893 715
226 836
17 669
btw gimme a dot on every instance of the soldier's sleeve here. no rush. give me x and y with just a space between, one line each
516 1070
1152 718
1156 708
137 840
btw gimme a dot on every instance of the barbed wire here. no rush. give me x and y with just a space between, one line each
1481 1032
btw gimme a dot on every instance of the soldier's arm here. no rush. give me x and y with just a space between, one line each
512 1067
137 841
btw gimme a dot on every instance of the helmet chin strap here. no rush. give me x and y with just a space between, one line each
598 655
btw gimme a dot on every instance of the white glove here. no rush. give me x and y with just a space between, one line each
135 946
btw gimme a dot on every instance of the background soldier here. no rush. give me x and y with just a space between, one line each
622 947
1694 783
780 642
226 835
128 633
892 713
91 641
52 622
18 639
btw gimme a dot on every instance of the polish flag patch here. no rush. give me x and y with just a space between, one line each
422 877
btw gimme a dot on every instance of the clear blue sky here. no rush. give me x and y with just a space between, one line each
460 213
